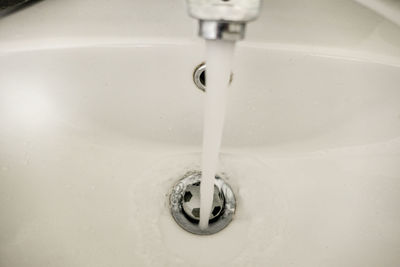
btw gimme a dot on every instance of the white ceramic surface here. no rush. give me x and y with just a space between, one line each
99 117
389 9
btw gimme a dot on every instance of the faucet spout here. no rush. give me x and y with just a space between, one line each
223 19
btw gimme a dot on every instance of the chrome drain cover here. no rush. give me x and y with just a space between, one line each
185 204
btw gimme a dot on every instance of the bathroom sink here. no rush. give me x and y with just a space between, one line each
96 129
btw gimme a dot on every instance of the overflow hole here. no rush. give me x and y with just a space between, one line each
203 78
200 79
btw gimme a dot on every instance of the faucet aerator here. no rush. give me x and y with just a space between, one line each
223 19
222 30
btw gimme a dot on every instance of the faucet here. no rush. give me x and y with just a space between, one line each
223 19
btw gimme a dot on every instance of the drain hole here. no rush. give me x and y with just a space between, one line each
216 210
187 197
191 201
196 212
185 204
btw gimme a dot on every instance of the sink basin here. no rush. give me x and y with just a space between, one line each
95 130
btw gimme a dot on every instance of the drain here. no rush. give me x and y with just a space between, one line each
199 77
191 202
185 204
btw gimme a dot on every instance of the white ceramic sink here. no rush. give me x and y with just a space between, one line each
94 130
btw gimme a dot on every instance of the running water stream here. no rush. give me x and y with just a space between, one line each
219 56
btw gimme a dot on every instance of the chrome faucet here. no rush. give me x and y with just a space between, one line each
223 19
